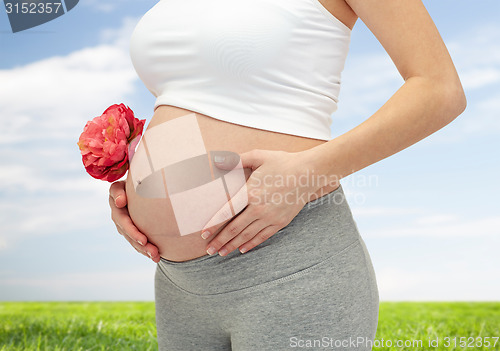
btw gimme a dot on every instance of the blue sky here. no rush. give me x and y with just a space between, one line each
429 215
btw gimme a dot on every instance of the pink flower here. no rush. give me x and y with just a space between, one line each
108 141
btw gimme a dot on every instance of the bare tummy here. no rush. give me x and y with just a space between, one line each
155 216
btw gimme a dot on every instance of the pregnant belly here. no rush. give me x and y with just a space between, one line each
172 221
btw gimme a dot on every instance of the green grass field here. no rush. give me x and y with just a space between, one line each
57 326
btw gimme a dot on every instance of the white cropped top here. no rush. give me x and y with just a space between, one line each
267 64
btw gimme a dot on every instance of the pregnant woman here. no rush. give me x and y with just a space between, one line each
249 87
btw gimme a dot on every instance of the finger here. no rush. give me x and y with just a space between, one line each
226 160
118 194
230 231
152 252
119 202
132 232
121 218
149 250
136 246
119 229
262 236
138 240
129 231
140 249
115 211
246 235
250 159
215 224
239 201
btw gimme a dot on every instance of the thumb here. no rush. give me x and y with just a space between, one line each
226 160
117 192
230 160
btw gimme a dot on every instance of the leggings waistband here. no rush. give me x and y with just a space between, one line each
323 228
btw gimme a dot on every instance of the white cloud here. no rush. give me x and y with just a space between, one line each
442 225
383 211
132 284
106 6
479 77
436 219
102 5
44 106
49 215
46 191
476 54
483 116
53 98
120 37
367 82
3 243
445 283
371 79
42 165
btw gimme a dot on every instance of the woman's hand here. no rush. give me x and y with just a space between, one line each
278 188
124 224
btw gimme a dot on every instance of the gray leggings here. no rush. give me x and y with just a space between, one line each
311 285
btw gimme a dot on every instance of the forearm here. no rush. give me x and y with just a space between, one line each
419 108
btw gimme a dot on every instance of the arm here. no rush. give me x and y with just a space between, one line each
430 98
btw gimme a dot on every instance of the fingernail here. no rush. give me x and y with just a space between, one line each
222 252
140 242
243 250
205 234
211 250
219 159
149 254
116 203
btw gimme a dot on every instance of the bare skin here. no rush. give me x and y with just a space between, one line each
431 97
152 216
